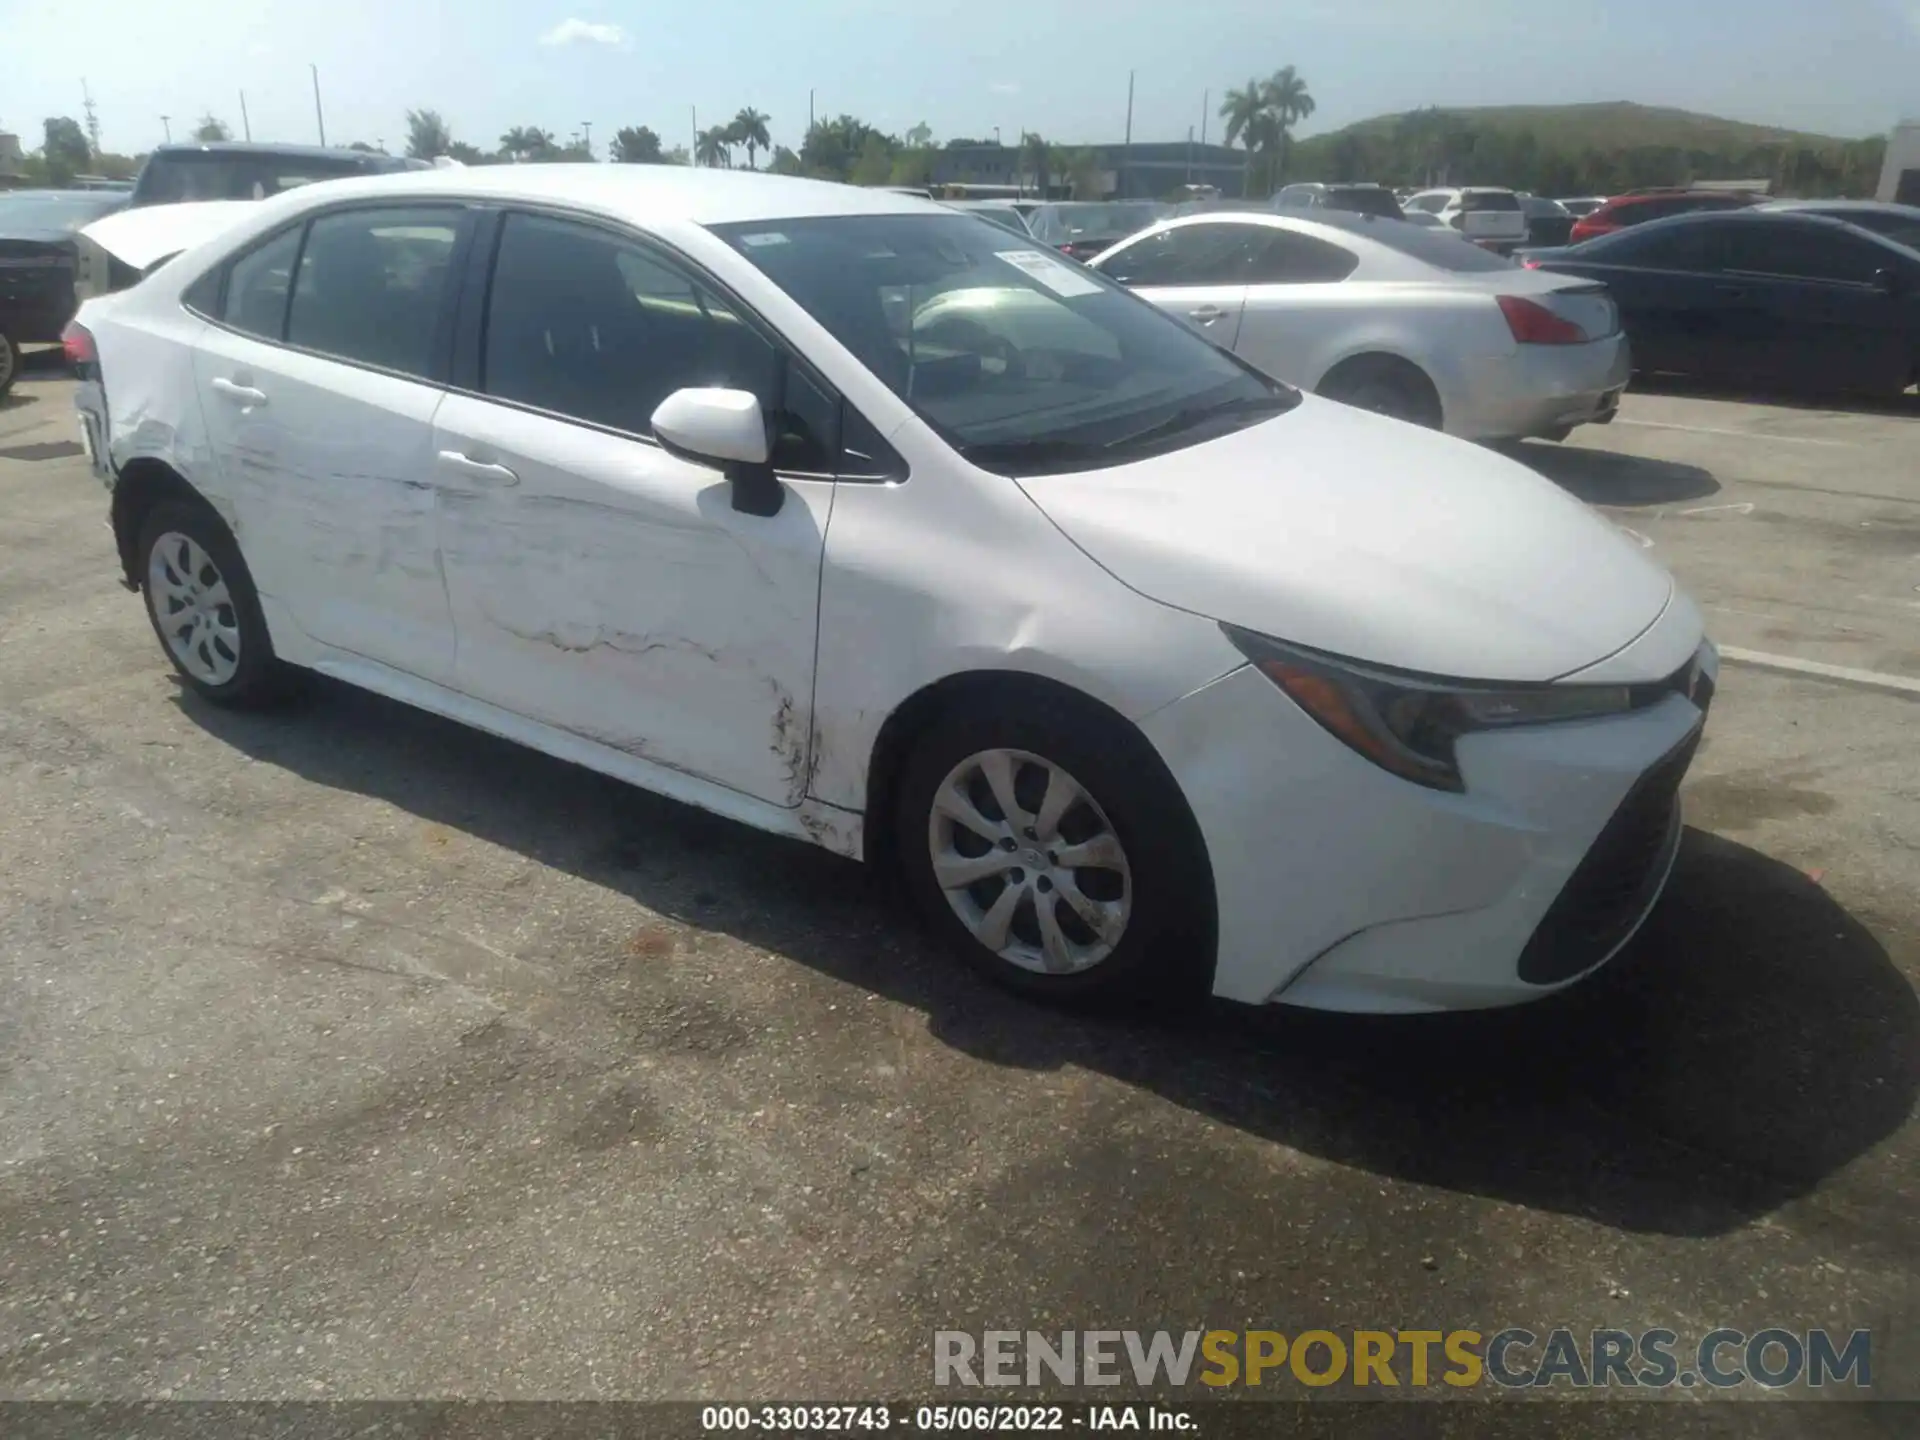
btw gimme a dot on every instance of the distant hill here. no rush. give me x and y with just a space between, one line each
1607 125
1599 149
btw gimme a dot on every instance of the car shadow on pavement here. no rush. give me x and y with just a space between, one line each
1607 477
1753 1039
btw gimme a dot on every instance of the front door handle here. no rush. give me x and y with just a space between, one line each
1207 314
240 394
478 469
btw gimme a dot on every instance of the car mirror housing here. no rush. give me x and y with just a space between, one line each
1889 281
728 430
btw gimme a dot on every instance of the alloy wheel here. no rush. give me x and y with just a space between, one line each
193 608
1029 862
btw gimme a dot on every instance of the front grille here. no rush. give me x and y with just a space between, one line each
1612 887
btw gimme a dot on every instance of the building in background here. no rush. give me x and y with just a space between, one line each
1145 170
1900 174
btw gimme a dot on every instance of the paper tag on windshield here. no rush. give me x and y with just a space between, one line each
1056 275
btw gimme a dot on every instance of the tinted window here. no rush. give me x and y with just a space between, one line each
1284 258
257 286
1432 204
1439 247
1213 254
1683 246
176 177
1901 229
1364 200
1806 252
1489 200
586 324
1059 224
1023 360
372 285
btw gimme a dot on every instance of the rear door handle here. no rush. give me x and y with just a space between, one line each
238 393
1207 314
478 469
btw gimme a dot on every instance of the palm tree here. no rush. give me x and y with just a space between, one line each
710 147
1285 97
427 135
1034 155
526 142
749 128
1242 110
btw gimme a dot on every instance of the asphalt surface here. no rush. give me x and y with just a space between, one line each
347 1053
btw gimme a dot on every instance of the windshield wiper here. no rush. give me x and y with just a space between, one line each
1034 452
1192 415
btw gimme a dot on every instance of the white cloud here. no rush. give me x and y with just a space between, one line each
593 33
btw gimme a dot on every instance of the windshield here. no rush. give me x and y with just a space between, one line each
1026 363
57 210
171 178
1058 224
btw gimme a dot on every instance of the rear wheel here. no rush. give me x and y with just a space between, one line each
1052 851
1387 386
203 606
9 362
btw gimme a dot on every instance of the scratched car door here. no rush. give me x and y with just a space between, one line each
598 583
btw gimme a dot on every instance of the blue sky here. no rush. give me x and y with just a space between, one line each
1848 67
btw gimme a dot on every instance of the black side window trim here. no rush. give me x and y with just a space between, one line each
465 369
441 367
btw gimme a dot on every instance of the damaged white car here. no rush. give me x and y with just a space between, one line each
1145 670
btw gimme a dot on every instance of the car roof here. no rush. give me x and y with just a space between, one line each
635 192
262 147
1863 207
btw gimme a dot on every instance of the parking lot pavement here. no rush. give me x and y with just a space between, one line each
344 1052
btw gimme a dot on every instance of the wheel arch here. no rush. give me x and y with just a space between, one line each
894 743
1388 357
144 482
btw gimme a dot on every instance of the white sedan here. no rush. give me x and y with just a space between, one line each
1145 670
1389 317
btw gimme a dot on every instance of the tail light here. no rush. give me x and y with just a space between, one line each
1534 324
1527 262
77 343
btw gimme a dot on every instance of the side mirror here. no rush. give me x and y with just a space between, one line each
728 430
1889 282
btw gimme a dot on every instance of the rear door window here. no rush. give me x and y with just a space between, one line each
258 284
1283 257
372 287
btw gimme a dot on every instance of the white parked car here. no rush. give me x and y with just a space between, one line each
1144 669
1485 215
1389 317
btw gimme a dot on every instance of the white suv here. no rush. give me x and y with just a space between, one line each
1490 217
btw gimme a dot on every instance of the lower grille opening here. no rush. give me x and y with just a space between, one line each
1611 888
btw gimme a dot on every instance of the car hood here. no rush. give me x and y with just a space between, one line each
1364 537
153 232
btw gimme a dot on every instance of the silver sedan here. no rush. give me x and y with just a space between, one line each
1408 322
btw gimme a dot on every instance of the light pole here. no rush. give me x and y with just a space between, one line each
319 119
246 125
166 123
586 129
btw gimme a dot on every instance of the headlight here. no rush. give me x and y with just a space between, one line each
1407 723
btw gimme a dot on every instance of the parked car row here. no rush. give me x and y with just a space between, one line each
39 240
854 519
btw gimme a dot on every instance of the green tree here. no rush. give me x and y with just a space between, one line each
637 145
527 142
833 147
712 147
1245 110
1082 171
785 162
427 135
875 165
749 128
468 154
920 136
1035 154
64 152
678 156
913 166
210 130
1285 97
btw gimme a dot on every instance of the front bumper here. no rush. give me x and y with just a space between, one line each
1543 389
1342 887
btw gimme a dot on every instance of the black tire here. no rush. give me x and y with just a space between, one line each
258 677
1165 950
1387 386
9 363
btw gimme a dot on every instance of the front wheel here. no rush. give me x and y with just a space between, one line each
9 362
203 606
1055 854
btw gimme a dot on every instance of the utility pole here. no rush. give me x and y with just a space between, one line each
246 125
319 119
693 120
809 112
1206 99
93 120
1126 153
166 123
586 129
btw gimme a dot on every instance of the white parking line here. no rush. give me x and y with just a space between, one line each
1739 434
1846 674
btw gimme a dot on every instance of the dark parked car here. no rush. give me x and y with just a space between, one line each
36 265
1083 229
1360 199
1899 223
1643 205
1548 221
1763 297
237 170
